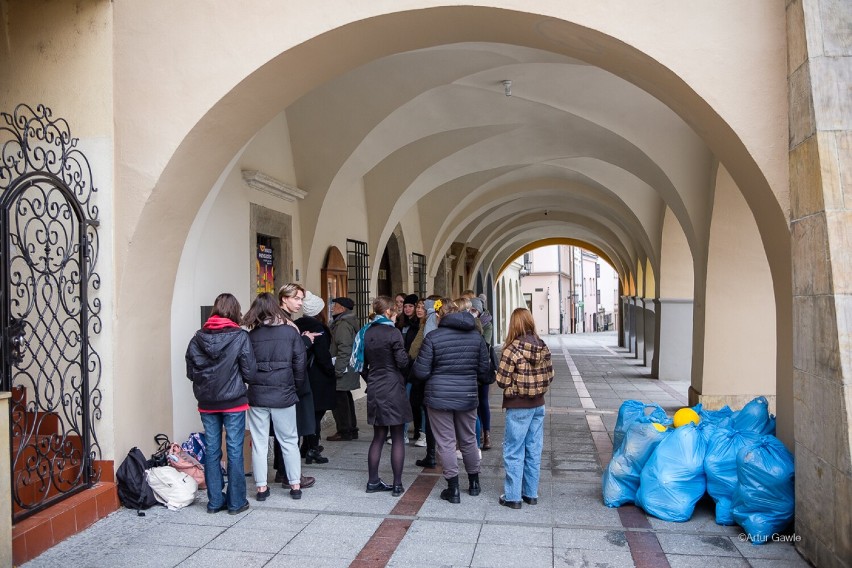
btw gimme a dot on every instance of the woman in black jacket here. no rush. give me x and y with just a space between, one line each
453 360
385 360
272 393
320 373
219 359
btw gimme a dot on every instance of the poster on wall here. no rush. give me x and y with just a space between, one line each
265 271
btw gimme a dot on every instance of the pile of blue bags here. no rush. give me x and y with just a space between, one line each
733 456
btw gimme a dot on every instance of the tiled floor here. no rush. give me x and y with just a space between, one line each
337 524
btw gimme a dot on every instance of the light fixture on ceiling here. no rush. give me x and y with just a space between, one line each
507 87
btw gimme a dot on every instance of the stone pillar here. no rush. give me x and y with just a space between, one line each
650 325
631 325
674 318
639 324
820 85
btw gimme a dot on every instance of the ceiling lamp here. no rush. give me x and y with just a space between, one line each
507 87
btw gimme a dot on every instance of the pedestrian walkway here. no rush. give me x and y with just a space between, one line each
337 524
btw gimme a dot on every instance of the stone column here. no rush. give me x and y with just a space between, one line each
674 321
640 329
820 86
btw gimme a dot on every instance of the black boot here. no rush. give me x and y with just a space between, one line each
429 460
313 455
451 493
473 488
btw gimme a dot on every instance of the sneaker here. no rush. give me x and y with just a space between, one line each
420 442
458 454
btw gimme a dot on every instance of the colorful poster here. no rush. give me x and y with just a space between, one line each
265 271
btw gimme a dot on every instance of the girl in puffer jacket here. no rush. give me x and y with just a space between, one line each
219 359
453 361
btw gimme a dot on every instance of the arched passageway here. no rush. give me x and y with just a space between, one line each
433 144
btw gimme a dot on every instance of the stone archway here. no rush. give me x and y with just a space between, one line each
186 161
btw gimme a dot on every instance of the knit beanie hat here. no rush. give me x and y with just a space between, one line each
312 304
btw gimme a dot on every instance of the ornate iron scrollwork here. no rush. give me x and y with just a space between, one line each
49 308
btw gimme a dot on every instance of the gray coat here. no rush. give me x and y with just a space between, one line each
343 330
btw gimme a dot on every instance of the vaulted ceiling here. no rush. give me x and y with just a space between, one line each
574 152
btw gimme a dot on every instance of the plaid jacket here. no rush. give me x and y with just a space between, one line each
525 368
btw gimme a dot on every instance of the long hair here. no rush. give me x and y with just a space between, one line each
521 323
227 306
264 310
290 290
422 305
382 304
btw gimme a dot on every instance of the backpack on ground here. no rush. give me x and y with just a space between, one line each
194 446
133 490
181 460
171 487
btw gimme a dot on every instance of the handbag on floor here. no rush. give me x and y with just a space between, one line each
172 488
181 460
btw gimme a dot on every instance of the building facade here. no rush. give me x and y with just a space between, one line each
701 149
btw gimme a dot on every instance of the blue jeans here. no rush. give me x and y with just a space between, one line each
522 451
235 426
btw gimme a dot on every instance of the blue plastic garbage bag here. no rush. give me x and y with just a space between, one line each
754 417
721 417
673 480
629 412
621 477
764 500
720 466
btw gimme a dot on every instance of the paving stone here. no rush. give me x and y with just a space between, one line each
205 558
442 531
289 561
506 555
432 553
538 536
709 545
692 561
574 557
589 539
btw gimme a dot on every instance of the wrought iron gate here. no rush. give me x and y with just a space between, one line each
48 308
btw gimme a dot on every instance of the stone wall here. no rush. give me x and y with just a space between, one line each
820 90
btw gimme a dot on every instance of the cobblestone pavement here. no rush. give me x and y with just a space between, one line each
337 524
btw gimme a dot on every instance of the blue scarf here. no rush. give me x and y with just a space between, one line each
356 361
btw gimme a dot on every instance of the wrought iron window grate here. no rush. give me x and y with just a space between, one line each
358 264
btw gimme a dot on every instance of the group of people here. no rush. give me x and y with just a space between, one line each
427 362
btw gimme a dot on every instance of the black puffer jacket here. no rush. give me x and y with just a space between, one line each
217 363
452 361
281 363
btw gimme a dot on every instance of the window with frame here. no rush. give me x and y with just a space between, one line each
358 265
418 263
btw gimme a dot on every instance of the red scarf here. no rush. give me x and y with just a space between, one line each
218 322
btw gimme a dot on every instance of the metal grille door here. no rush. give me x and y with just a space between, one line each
48 244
